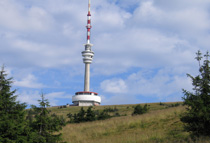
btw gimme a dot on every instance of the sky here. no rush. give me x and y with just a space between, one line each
143 48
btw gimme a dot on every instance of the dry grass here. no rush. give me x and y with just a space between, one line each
155 126
160 125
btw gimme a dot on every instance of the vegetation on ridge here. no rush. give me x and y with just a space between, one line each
161 124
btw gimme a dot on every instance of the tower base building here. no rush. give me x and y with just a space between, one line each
85 98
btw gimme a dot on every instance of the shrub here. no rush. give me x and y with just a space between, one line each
138 109
103 115
89 115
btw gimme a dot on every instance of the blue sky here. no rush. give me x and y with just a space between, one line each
143 48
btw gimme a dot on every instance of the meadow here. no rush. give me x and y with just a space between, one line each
161 124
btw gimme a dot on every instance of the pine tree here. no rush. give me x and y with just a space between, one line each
81 115
45 124
13 127
90 114
197 117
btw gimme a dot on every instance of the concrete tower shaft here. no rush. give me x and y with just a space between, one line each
88 54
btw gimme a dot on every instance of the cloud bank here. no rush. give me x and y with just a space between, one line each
143 48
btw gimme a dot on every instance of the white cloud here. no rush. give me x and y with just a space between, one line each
30 81
140 48
44 55
114 86
187 20
121 99
157 38
110 17
122 40
161 84
31 97
17 17
158 83
55 97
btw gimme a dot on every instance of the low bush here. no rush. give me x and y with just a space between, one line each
138 109
87 116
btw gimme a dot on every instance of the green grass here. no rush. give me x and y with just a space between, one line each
160 125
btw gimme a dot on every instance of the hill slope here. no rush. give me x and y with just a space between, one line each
161 124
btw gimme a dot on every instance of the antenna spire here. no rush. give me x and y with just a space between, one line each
88 23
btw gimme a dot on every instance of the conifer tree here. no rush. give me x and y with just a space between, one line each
81 115
13 127
45 124
197 117
90 116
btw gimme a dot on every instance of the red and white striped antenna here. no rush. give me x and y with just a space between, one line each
88 23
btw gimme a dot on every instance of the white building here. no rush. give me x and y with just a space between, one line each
85 98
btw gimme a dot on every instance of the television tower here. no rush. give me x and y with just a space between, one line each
88 54
87 98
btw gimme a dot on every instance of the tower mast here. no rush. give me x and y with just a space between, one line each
86 97
88 54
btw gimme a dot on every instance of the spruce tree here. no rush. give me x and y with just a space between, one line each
90 116
44 125
197 117
13 127
81 115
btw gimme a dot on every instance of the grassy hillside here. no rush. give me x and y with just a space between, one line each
161 124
